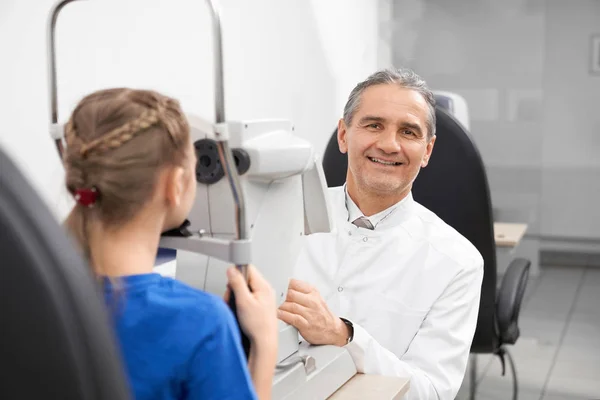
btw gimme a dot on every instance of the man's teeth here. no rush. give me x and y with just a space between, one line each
383 162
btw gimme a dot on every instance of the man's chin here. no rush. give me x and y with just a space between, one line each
385 187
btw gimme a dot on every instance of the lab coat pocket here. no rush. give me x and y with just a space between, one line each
393 323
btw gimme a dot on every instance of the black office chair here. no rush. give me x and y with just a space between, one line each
454 186
56 341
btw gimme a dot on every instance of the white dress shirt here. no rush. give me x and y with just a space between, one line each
411 288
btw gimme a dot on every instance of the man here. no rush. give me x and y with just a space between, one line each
393 283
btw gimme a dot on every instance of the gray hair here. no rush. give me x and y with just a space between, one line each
403 77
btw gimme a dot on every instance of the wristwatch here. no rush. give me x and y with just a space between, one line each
350 329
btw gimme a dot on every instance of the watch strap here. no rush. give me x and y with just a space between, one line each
350 329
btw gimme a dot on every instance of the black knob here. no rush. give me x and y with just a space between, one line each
242 161
208 168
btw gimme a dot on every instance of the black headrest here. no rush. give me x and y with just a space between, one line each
56 337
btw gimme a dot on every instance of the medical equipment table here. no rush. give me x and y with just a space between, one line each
363 386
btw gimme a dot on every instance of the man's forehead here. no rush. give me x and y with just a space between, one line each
400 105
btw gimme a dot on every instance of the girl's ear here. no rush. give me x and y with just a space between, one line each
174 186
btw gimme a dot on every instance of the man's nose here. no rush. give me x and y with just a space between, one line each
388 142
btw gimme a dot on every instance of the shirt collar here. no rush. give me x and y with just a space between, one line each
354 212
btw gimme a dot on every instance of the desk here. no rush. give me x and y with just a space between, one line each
363 386
507 236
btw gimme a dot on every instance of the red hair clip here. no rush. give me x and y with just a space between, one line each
86 197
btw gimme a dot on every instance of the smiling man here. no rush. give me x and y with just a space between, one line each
393 283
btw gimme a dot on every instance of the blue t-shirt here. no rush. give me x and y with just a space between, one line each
177 342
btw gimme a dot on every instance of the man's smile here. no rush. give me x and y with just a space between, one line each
384 162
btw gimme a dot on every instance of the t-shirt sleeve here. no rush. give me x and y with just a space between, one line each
218 368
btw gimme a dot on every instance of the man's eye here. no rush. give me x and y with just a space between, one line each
374 126
408 132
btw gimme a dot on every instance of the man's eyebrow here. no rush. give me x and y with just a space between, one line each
371 118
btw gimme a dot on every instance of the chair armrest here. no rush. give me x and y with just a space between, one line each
510 296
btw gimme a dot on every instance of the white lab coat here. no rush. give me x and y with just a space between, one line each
411 288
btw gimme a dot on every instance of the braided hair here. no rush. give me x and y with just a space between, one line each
117 142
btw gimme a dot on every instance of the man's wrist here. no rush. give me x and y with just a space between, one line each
346 332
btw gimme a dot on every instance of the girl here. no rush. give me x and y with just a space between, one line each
130 164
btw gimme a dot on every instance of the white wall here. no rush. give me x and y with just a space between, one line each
571 145
385 49
522 66
293 59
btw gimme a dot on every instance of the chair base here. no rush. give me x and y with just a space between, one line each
501 352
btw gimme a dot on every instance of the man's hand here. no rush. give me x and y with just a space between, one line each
305 309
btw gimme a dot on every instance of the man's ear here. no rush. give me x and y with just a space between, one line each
341 136
428 152
174 186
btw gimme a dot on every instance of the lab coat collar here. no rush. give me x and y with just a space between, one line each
389 216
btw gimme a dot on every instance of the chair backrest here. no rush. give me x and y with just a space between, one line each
454 186
56 337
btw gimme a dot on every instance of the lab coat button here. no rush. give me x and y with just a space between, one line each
349 233
365 239
340 289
